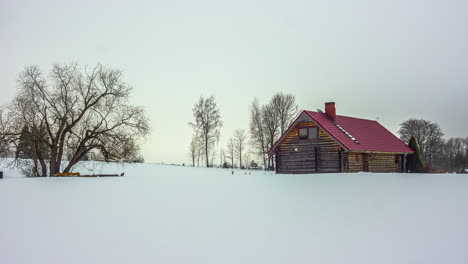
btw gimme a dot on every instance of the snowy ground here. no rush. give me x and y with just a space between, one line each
170 214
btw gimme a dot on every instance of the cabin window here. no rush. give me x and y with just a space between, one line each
313 133
308 133
303 133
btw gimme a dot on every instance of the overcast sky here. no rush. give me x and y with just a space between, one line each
387 59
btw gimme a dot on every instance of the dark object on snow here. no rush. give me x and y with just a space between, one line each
77 174
232 172
1 174
100 175
66 174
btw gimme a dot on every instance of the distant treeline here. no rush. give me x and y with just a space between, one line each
437 153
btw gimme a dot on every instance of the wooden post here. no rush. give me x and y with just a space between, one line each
340 160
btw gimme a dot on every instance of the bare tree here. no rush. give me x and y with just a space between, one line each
428 135
257 132
272 124
286 109
207 124
84 113
222 157
247 160
213 155
465 159
454 154
268 122
231 151
4 134
193 151
240 141
200 156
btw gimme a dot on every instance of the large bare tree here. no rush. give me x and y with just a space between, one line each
268 122
82 112
207 123
240 141
429 136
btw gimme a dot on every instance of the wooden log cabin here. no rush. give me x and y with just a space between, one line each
321 142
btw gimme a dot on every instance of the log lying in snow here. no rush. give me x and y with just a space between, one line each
102 175
67 174
77 174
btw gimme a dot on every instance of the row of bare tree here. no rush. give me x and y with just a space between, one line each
267 123
446 154
71 114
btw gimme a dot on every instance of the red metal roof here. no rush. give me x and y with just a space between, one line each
371 135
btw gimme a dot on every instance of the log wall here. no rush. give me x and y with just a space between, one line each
356 162
308 156
384 163
374 162
325 155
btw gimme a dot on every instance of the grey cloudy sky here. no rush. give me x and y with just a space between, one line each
388 59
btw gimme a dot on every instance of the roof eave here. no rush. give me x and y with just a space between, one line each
379 152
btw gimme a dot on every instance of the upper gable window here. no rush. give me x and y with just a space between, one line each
308 133
303 133
313 133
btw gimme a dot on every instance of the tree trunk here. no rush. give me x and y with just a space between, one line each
240 159
206 153
38 157
53 162
35 172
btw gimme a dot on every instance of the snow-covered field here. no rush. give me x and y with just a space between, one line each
170 214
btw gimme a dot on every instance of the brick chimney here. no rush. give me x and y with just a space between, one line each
330 110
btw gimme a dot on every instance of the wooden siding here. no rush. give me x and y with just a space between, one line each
325 155
316 155
384 163
374 162
355 162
